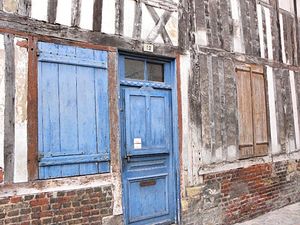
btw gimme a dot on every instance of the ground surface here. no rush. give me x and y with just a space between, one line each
289 215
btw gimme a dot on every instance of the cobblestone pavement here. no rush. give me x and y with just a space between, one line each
289 215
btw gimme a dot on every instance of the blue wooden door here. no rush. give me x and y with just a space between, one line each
148 170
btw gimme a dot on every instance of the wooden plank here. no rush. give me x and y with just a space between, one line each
259 114
231 120
183 30
120 17
32 111
245 111
226 21
254 35
76 9
24 7
204 83
52 9
97 16
137 27
280 109
9 110
213 17
246 25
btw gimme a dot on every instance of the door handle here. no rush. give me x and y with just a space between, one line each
127 157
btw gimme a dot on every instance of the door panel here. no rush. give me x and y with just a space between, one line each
148 119
148 172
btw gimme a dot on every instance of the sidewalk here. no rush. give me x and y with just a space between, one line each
289 215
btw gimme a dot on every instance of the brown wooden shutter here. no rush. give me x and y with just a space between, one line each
245 114
259 115
253 134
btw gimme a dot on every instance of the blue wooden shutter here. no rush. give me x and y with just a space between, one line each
73 118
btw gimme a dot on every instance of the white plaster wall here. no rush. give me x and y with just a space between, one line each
172 28
63 13
108 16
86 17
39 9
260 30
238 40
269 33
282 38
287 5
129 14
187 152
272 107
148 23
2 64
21 62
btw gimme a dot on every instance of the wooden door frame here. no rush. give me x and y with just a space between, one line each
176 124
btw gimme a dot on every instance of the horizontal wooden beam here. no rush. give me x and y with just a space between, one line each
29 27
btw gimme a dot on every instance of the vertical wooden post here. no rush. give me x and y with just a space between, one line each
9 111
32 110
1 4
137 29
76 9
52 8
24 7
97 17
120 17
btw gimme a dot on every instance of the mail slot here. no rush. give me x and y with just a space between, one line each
146 183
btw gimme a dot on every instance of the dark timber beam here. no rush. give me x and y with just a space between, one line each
9 110
137 29
97 17
119 17
76 11
52 9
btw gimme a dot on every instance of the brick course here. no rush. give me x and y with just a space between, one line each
237 195
84 206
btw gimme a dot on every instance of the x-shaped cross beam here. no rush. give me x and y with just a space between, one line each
160 23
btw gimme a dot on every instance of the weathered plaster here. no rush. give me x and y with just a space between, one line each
86 17
284 60
108 16
63 15
39 9
21 62
273 122
10 5
269 34
129 9
2 94
147 22
172 28
185 71
261 31
238 39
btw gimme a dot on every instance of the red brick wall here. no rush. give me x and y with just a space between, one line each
244 193
86 206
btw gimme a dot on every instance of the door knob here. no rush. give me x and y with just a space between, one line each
127 157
